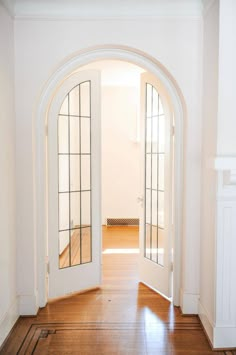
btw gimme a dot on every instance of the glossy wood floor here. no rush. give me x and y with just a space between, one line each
122 317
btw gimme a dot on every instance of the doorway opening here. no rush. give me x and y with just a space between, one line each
121 172
49 102
132 158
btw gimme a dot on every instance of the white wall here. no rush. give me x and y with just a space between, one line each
227 77
8 298
224 333
41 45
209 147
120 152
217 306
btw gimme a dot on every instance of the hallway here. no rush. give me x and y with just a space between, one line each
121 317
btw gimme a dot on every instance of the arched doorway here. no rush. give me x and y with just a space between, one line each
175 97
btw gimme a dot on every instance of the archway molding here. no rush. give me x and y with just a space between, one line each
48 92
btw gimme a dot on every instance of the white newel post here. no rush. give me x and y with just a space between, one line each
224 334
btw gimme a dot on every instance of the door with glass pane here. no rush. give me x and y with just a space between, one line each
155 263
74 238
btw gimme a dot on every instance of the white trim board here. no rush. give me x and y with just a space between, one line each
220 337
189 302
206 321
8 321
92 9
28 305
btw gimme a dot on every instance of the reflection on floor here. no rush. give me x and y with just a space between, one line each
122 317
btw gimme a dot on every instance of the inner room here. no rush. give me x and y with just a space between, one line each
121 155
133 138
120 168
121 162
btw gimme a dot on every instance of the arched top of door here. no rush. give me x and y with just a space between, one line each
106 52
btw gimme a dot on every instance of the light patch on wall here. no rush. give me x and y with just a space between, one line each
116 72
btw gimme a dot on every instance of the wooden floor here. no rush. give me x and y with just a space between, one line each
122 317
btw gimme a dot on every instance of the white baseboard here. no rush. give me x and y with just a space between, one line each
189 302
206 322
8 321
224 337
28 305
221 337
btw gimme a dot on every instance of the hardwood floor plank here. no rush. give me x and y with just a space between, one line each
122 317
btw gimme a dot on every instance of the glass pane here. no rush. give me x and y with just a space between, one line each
64 252
148 206
161 111
74 101
154 134
85 135
147 246
74 135
63 211
75 247
75 209
161 246
148 135
85 172
148 171
149 100
86 245
74 172
154 243
63 145
85 209
161 209
161 171
155 102
154 208
85 99
161 134
64 107
154 171
63 173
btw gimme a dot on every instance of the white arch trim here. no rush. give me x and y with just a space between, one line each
40 141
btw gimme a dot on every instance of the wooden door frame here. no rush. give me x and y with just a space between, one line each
40 150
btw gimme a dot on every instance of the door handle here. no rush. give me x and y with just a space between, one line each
140 200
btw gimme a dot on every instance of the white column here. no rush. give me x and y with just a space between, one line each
224 333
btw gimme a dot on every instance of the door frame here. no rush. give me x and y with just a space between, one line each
46 97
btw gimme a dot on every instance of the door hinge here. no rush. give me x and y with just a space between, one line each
48 268
171 266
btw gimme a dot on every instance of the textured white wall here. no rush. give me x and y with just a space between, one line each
120 153
8 300
40 47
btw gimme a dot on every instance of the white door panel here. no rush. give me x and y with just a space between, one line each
155 226
74 239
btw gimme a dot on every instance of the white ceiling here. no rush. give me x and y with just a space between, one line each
102 8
